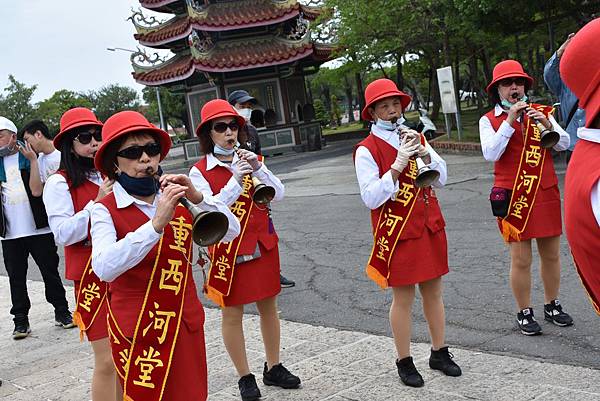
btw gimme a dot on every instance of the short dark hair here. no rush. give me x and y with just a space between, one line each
35 125
206 143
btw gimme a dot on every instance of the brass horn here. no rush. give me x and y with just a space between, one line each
425 174
549 137
263 193
208 228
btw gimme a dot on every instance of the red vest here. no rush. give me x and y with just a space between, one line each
505 169
257 229
582 228
77 255
422 214
127 292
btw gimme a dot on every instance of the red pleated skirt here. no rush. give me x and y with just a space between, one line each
418 260
256 279
545 219
99 329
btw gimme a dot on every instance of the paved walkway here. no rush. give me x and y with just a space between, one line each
334 365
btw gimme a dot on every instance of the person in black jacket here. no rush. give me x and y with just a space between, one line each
243 104
24 230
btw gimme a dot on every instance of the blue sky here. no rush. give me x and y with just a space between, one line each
62 44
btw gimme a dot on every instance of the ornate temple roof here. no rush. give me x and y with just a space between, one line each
223 17
233 56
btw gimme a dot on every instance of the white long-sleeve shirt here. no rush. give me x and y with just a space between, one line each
232 190
375 191
67 226
592 135
111 258
493 144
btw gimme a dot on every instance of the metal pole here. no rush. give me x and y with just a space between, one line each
458 125
160 113
447 124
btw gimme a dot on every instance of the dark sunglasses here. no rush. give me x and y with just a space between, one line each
510 81
222 127
136 151
86 137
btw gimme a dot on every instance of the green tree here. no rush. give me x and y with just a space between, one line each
113 98
320 111
172 104
15 103
51 109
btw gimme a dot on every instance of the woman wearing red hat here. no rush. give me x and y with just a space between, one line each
141 246
69 197
246 270
410 241
582 182
525 197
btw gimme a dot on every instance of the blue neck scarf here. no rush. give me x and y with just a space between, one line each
23 165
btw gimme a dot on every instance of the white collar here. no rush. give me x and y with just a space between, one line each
383 133
212 161
124 199
589 134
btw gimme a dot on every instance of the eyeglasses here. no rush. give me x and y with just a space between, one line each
136 151
510 81
222 127
86 137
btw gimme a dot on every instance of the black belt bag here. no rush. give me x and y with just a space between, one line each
500 200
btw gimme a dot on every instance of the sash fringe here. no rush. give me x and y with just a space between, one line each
214 296
510 231
377 277
79 322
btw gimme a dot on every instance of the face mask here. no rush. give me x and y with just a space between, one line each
245 113
507 105
140 186
219 150
388 125
5 151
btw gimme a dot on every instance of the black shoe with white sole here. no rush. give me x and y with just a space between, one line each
527 323
63 319
554 313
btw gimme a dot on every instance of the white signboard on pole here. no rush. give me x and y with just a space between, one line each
447 95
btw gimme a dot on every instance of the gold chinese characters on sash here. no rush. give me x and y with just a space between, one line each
144 362
393 217
90 296
223 255
527 180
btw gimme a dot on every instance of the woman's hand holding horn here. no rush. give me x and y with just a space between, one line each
191 193
250 157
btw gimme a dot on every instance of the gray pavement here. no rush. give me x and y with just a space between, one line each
324 244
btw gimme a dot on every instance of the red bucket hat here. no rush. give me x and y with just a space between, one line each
123 123
218 108
73 118
380 89
580 69
508 69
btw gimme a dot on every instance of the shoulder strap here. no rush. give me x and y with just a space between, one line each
572 112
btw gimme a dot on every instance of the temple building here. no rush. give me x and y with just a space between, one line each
262 46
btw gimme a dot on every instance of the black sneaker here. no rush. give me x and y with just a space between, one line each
248 388
63 319
408 372
285 283
553 312
527 323
442 360
280 376
22 330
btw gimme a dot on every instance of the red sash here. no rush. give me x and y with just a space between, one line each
393 217
223 255
92 293
527 180
145 361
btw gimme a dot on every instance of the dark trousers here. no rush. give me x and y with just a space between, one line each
43 250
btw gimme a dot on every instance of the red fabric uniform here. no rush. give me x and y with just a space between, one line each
258 278
582 228
545 218
188 374
77 255
422 251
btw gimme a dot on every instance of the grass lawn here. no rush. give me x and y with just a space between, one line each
469 120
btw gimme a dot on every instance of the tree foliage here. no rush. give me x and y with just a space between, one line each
172 104
15 104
